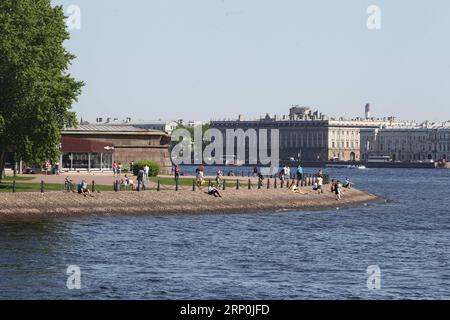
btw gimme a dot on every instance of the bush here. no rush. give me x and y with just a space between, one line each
152 172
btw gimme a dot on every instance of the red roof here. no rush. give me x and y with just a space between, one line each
80 145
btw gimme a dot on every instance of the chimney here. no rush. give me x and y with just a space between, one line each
367 111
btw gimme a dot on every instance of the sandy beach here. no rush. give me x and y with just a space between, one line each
63 204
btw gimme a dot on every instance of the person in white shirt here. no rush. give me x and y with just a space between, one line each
146 170
320 185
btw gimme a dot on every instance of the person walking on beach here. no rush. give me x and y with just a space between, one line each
299 173
320 185
338 190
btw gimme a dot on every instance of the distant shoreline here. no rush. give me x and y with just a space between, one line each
61 204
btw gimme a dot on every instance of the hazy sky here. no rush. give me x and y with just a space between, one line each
210 59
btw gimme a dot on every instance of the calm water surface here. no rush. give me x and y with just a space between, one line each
295 255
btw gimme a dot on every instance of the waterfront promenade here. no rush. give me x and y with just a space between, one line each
65 204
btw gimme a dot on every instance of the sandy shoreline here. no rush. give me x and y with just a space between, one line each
60 204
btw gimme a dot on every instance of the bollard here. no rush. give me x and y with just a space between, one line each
224 183
93 186
275 183
268 183
42 186
193 185
249 184
14 186
237 184
176 185
209 183
259 183
158 188
282 184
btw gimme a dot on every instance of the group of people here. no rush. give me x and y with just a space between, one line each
117 169
81 188
338 188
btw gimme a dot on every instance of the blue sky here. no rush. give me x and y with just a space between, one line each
211 59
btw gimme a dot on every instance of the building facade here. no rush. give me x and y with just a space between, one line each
311 136
94 147
420 143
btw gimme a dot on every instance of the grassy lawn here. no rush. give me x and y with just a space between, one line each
36 187
166 184
17 178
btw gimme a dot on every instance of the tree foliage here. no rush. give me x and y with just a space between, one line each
36 90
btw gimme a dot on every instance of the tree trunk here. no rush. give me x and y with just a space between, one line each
2 164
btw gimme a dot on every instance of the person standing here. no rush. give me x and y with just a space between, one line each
320 185
140 180
255 171
131 166
146 172
119 169
177 172
299 172
114 167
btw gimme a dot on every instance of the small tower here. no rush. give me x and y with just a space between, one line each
367 111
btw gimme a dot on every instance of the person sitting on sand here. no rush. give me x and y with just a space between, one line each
69 184
212 191
294 188
315 186
127 182
348 184
83 188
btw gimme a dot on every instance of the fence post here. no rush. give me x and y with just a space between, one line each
14 186
237 184
275 183
93 186
42 186
224 183
249 184
268 183
193 185
158 188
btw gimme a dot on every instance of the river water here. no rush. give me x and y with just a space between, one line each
288 255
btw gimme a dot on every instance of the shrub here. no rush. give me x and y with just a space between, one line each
152 172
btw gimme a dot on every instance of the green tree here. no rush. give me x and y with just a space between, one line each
36 90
